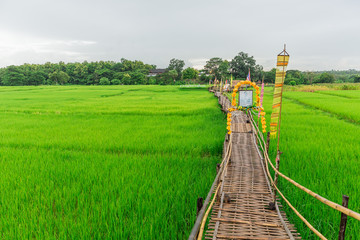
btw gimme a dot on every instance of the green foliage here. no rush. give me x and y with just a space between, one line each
204 78
326 78
294 75
114 162
13 76
190 73
212 67
293 83
167 78
178 66
269 77
74 73
115 81
356 79
348 87
36 78
126 79
104 81
58 77
137 78
242 63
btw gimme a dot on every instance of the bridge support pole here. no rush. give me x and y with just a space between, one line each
199 205
343 220
276 174
267 142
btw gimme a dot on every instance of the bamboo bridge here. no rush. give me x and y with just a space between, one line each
243 206
242 202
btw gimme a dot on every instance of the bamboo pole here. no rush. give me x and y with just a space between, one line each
202 214
202 226
276 174
314 230
267 142
325 201
343 218
318 197
199 205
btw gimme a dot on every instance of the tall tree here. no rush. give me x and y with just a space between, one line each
212 67
242 63
224 68
13 76
59 77
190 73
269 77
177 65
37 78
326 78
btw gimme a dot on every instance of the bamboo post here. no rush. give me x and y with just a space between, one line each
199 205
267 142
276 174
343 220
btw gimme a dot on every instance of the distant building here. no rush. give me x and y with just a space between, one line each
155 72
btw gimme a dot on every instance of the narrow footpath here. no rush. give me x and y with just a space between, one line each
241 210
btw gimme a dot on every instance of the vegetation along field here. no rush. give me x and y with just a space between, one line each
109 162
321 150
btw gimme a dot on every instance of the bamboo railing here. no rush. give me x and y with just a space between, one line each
198 228
199 225
325 201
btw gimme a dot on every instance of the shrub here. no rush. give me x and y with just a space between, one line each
104 81
115 81
348 87
293 83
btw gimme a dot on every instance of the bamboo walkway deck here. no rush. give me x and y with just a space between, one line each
242 209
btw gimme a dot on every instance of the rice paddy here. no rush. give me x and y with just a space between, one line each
114 162
120 162
320 144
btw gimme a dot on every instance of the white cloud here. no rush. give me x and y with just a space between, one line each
18 48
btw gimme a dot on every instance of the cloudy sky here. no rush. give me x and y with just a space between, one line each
320 34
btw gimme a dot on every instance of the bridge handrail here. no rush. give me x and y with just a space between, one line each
200 223
325 201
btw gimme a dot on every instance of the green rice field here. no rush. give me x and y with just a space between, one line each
321 150
111 162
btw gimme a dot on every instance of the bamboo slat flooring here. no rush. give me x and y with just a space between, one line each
246 215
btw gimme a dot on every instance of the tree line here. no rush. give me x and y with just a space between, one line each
127 72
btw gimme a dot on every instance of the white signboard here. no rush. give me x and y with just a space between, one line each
245 98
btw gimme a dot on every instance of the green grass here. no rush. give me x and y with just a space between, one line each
344 104
114 162
320 144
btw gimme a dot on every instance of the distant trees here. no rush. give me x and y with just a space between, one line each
88 73
115 81
190 73
269 77
326 78
13 76
58 77
212 67
104 81
294 75
242 63
127 72
178 66
356 78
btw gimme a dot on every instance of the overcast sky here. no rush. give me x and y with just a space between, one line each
320 35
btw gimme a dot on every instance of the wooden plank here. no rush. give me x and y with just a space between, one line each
247 222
